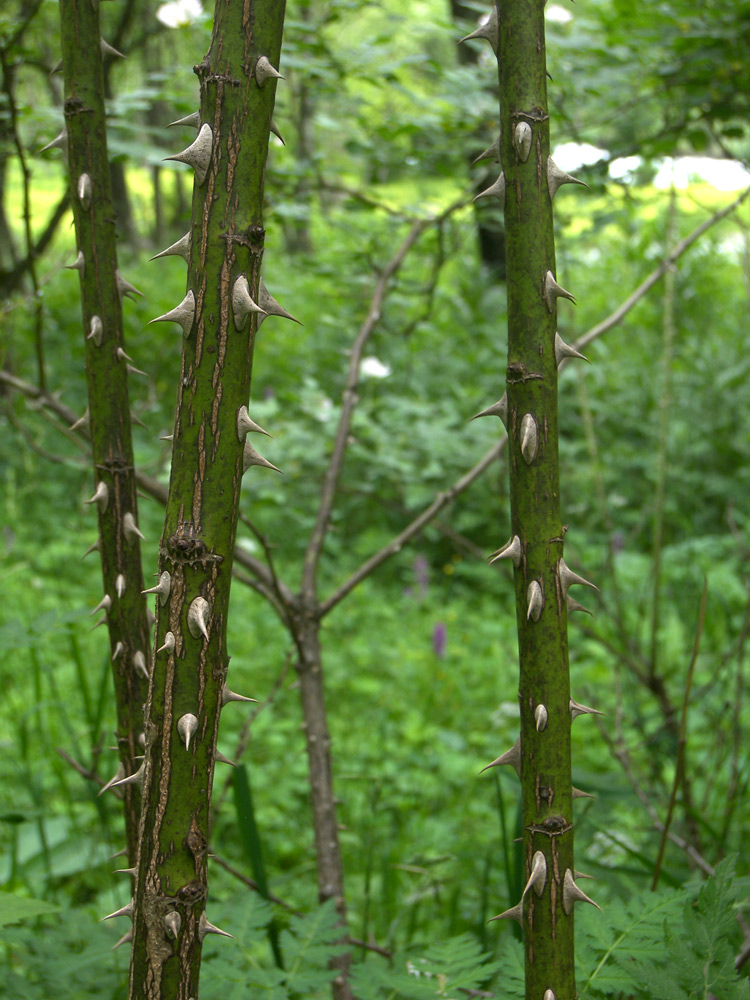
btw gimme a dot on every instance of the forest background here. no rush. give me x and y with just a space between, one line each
381 116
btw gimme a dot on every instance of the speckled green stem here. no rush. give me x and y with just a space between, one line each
531 380
196 555
107 378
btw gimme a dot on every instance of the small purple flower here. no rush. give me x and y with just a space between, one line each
439 636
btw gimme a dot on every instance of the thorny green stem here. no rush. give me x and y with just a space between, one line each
209 455
107 377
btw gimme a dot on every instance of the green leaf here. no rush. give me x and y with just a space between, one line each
13 909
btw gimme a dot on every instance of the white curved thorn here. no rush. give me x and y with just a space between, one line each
578 794
498 409
541 717
557 177
198 153
227 695
94 547
110 50
193 121
162 588
118 650
553 291
251 457
534 601
511 550
491 153
118 776
274 128
187 727
169 643
120 584
197 618
265 71
79 264
132 779
243 304
576 709
511 757
125 871
179 249
495 190
96 331
514 913
139 664
125 288
488 30
131 529
563 350
538 876
221 759
104 605
572 894
84 191
204 927
573 605
549 995
184 314
246 426
125 939
124 911
522 136
269 305
172 924
529 438
569 579
83 421
59 142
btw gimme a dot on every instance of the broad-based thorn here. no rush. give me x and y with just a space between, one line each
534 601
118 650
197 618
540 718
169 643
92 548
251 457
511 757
96 331
569 579
552 291
132 779
573 605
265 71
563 350
184 314
270 306
488 30
557 177
59 142
118 776
139 664
179 249
522 137
120 584
84 191
538 877
83 421
578 794
491 153
243 304
172 924
221 759
514 913
124 911
198 154
104 605
245 425
79 264
576 709
193 120
187 727
572 894
131 529
125 871
495 190
162 588
125 288
204 927
549 995
125 939
511 550
110 50
274 128
529 438
227 696
498 409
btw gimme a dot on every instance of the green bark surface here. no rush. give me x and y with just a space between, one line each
197 544
107 379
531 380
